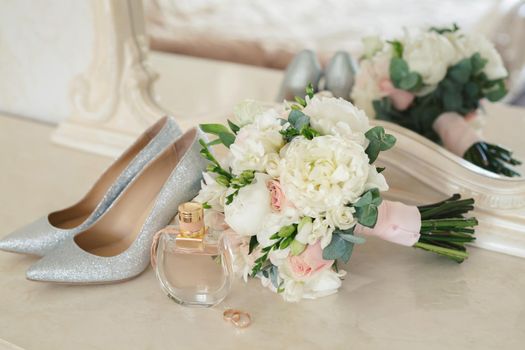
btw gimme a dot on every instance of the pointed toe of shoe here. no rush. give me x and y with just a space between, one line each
37 238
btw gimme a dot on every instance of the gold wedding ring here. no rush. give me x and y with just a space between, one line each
239 318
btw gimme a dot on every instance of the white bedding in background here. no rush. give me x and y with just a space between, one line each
269 32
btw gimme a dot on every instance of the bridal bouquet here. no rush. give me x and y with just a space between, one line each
432 82
299 189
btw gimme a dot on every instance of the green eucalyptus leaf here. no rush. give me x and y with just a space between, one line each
352 239
461 71
398 70
411 82
478 63
367 215
338 249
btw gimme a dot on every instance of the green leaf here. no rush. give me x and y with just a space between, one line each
367 215
461 71
338 249
398 70
397 48
366 207
380 169
233 127
215 142
379 141
286 242
227 138
205 205
352 239
478 63
214 129
310 90
300 101
410 82
498 92
253 244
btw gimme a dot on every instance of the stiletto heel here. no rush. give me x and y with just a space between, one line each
117 246
303 70
339 76
48 232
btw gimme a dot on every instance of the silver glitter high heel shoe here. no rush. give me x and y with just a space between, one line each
117 247
48 232
303 70
339 75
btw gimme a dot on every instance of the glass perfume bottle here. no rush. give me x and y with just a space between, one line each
194 263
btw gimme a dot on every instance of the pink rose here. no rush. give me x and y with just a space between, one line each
400 98
277 198
308 262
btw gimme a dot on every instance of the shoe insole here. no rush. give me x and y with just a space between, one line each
75 215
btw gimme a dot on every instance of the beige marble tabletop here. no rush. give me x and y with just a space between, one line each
393 297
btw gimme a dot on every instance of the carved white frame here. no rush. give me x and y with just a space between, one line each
112 101
426 170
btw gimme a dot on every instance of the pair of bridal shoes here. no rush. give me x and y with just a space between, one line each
106 236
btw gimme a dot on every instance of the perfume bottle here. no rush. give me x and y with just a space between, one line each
194 263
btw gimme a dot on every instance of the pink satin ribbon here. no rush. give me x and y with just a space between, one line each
401 99
396 223
455 133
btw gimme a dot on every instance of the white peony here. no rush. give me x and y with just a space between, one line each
368 79
273 165
211 192
336 116
255 142
471 44
244 112
250 209
430 54
324 173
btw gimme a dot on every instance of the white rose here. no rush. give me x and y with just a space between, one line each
336 116
249 210
255 141
342 217
367 82
430 54
323 173
244 112
211 192
471 44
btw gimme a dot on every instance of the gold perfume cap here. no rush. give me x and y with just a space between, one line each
191 218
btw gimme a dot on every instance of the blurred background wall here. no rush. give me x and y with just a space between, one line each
43 45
